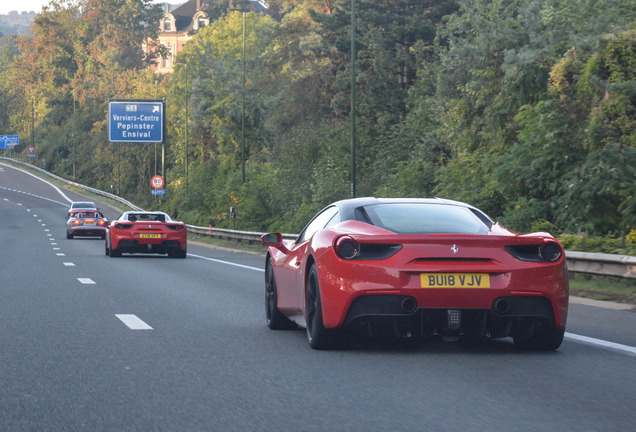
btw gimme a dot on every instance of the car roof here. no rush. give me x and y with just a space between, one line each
347 207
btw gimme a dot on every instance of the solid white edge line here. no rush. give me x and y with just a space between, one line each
49 183
227 262
133 322
625 349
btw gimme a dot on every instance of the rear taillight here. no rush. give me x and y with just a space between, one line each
551 251
347 247
122 226
101 223
548 251
77 222
175 227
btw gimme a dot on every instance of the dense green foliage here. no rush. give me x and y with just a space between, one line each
524 108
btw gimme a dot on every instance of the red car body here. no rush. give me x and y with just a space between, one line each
428 269
146 232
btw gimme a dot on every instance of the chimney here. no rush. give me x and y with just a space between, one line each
198 5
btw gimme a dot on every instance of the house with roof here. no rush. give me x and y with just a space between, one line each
177 27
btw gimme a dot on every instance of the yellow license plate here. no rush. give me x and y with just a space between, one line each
89 222
455 280
149 235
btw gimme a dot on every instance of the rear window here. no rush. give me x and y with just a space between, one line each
425 219
83 205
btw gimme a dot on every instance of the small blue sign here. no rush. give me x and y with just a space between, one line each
135 121
158 191
9 141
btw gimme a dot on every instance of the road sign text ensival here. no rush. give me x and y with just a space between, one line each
135 121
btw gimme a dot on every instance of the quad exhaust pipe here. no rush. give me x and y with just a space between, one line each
501 306
408 305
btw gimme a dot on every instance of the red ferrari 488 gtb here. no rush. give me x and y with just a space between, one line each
146 232
416 267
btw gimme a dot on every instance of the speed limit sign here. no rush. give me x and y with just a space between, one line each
157 182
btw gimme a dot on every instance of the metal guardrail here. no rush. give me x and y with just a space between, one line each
621 266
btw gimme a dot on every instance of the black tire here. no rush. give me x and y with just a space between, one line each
106 251
544 338
317 335
114 253
275 319
69 235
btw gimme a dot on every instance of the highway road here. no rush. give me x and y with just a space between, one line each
148 343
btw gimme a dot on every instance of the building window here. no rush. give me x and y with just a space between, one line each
202 22
167 62
167 25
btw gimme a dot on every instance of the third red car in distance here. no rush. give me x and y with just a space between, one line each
416 267
147 233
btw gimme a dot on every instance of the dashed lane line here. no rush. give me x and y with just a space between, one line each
133 322
86 281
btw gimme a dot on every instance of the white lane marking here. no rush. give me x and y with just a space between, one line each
47 230
86 281
69 264
624 349
49 183
56 248
133 322
227 262
53 244
60 254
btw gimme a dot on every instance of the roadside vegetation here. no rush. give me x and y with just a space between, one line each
523 108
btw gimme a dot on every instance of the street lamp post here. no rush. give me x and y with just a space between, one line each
353 100
242 9
186 127
243 113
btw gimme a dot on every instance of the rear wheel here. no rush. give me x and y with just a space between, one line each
114 252
275 319
317 335
69 235
178 253
544 338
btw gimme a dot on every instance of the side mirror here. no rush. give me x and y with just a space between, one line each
274 240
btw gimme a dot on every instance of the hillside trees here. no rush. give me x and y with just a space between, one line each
524 108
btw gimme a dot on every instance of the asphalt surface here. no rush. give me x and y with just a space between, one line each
148 343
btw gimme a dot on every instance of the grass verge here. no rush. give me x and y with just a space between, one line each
603 288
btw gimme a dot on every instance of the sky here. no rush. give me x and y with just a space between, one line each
7 6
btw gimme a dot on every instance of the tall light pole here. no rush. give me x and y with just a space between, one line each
353 100
243 113
186 127
242 9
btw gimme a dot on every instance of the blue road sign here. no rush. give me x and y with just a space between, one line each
9 141
158 191
135 121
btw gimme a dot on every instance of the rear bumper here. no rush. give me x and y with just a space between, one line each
92 231
402 316
151 246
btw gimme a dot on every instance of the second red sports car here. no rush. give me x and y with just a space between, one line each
416 267
146 232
